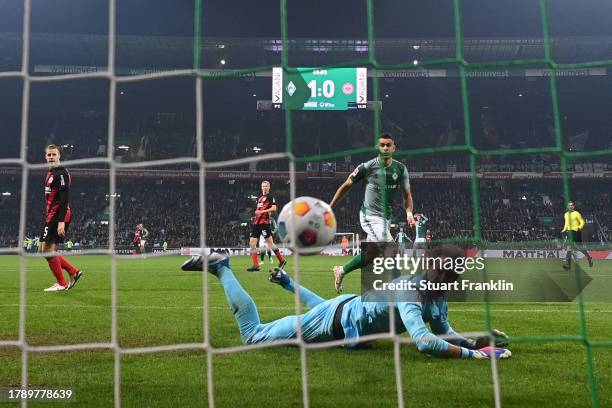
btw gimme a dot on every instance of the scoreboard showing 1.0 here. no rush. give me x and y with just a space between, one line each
320 89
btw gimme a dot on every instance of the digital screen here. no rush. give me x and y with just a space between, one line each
320 89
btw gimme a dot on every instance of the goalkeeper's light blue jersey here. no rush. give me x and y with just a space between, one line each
360 318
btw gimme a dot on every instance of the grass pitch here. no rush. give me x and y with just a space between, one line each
160 305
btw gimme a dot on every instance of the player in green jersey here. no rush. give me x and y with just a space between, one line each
384 177
420 226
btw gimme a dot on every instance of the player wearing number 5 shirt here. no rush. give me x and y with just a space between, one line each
58 215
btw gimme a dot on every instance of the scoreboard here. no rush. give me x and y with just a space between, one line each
320 88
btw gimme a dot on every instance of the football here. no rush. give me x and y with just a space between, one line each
311 220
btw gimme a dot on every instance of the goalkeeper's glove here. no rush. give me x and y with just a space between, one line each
486 353
501 340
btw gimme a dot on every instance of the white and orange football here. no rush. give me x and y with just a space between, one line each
311 220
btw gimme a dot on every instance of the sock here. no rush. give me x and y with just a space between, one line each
354 263
568 257
67 266
309 298
56 267
278 254
242 305
254 258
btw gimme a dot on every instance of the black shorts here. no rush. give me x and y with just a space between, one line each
49 233
573 237
258 230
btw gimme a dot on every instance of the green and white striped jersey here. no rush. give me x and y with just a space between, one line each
421 228
382 185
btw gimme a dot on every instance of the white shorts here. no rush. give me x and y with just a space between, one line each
142 242
376 228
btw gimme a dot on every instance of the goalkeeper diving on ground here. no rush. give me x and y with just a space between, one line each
350 317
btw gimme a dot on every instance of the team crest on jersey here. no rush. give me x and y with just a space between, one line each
394 176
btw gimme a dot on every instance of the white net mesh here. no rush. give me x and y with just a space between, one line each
114 165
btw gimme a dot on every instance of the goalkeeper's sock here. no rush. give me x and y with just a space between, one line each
354 263
309 298
67 266
242 305
279 256
568 258
56 267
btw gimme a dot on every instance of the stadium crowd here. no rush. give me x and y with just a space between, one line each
510 210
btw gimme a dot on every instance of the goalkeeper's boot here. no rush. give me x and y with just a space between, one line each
282 264
215 261
566 266
338 278
74 279
193 264
279 276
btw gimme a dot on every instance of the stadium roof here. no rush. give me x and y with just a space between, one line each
176 52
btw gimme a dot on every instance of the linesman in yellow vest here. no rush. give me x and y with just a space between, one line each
573 230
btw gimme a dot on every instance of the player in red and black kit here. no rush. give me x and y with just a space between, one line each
57 220
138 241
262 227
428 238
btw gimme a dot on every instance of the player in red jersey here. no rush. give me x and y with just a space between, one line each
428 238
139 239
266 204
57 220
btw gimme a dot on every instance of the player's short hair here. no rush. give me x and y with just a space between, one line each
385 136
265 181
53 147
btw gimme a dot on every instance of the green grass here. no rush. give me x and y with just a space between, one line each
159 304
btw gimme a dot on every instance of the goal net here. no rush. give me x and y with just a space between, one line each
204 166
